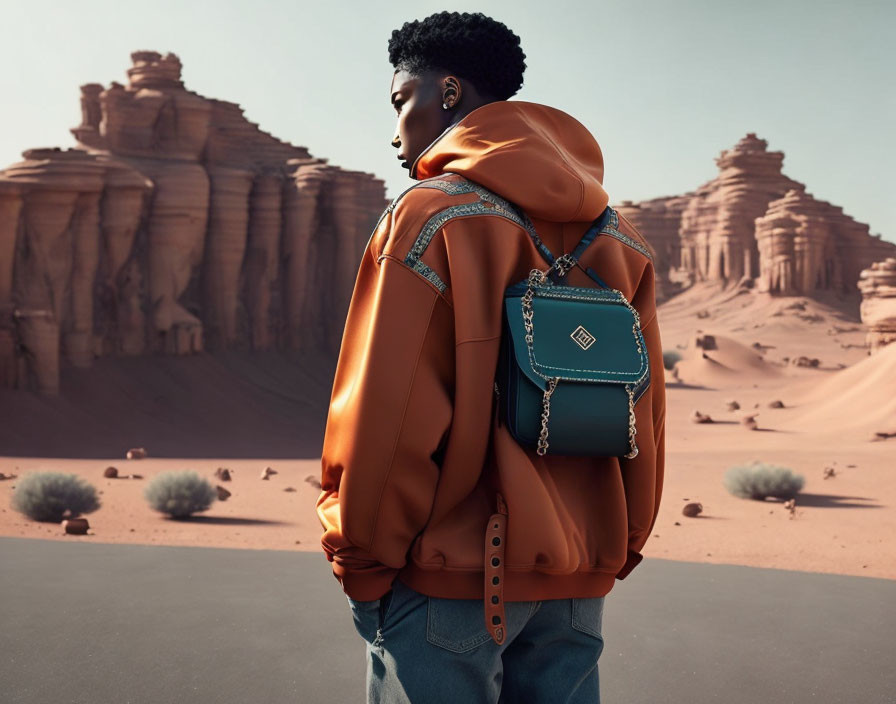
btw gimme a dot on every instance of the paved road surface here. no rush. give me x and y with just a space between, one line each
85 623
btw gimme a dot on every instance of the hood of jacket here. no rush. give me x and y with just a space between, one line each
498 142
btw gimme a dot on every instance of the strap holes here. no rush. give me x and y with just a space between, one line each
496 541
496 561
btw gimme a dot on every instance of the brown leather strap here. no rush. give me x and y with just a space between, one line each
495 538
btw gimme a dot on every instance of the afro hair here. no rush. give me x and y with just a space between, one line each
470 45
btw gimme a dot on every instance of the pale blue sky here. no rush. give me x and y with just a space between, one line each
663 86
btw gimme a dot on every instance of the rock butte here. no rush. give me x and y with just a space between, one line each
176 225
878 286
752 224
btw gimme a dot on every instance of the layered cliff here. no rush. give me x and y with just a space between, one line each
878 286
752 224
177 225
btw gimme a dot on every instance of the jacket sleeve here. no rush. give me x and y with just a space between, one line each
390 407
643 475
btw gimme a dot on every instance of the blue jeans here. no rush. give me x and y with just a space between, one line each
428 650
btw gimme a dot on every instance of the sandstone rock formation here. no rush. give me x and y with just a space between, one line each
754 225
661 218
807 245
878 286
177 225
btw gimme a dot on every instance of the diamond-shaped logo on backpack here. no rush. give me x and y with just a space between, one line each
582 337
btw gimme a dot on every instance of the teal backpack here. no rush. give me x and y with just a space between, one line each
572 361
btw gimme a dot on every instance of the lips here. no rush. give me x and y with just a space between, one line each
403 161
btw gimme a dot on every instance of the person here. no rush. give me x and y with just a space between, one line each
415 467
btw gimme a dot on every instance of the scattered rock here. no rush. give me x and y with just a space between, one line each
267 472
883 435
7 476
290 488
732 405
829 472
803 361
703 313
313 481
790 505
750 421
137 453
698 417
692 509
110 472
75 526
777 403
136 476
223 474
223 494
706 342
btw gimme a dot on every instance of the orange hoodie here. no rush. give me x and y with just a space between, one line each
414 470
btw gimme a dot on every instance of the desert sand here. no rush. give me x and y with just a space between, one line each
843 520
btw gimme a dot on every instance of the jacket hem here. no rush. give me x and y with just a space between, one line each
518 586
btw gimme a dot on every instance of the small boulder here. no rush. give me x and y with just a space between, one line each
777 403
732 405
692 509
698 417
313 481
75 526
750 421
267 472
706 342
137 453
110 473
223 474
223 494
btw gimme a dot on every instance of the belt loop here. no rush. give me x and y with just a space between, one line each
495 539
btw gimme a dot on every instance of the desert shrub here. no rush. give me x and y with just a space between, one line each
180 494
46 496
670 357
759 480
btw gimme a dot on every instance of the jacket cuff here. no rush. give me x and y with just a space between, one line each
366 584
630 563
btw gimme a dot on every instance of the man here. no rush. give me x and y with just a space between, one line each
418 482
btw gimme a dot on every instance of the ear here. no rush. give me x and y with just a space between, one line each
451 90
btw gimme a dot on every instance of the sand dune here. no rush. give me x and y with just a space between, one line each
723 360
860 396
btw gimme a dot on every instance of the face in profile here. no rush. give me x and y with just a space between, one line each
421 118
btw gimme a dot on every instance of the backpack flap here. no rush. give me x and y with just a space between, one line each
580 334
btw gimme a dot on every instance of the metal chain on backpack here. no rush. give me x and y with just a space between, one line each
537 277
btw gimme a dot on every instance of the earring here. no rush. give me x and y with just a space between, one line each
445 105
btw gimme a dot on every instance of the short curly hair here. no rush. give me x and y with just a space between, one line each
471 45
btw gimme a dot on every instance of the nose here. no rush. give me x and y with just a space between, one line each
396 142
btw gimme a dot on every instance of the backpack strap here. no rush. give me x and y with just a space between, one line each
590 235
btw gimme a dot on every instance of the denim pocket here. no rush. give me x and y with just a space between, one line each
366 616
587 615
457 625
